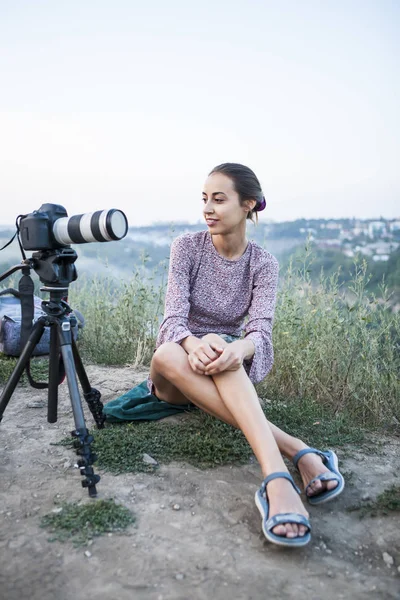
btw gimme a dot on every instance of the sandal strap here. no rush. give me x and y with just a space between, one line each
278 475
284 518
297 456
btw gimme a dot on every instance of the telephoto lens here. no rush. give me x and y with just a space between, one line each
98 226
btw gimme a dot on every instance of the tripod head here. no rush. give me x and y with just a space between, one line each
55 268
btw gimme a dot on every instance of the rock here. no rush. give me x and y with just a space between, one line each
88 554
387 559
176 507
57 510
149 460
36 404
179 576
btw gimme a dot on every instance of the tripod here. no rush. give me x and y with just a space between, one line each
58 268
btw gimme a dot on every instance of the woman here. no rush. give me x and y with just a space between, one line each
216 279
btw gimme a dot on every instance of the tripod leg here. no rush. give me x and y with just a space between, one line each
91 395
25 355
83 438
54 359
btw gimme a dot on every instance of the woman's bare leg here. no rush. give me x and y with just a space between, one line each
177 383
211 402
170 365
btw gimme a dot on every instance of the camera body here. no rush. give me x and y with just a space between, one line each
36 229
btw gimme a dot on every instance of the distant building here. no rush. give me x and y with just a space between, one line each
380 257
394 226
346 234
375 228
333 225
360 230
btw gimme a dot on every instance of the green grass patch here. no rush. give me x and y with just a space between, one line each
39 369
316 424
388 501
81 523
203 441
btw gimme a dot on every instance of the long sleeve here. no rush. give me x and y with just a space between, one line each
261 315
174 327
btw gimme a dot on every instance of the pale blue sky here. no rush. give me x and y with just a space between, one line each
128 104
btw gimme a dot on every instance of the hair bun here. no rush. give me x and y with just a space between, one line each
261 205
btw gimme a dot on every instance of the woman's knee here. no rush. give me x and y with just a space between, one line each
169 357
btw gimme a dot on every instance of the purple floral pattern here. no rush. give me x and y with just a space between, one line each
208 293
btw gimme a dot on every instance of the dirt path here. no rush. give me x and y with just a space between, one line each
212 547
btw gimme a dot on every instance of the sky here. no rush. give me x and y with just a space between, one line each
125 104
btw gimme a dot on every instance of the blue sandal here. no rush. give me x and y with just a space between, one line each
269 523
330 460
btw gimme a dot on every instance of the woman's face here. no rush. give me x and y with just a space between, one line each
221 206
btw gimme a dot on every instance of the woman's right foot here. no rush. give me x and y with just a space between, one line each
282 498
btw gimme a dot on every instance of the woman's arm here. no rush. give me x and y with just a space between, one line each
258 328
174 327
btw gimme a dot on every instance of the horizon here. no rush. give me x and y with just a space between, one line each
7 226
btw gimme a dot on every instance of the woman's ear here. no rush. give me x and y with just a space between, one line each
250 203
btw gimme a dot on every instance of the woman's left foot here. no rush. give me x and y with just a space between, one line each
311 466
320 473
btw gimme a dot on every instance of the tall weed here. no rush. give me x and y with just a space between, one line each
122 318
335 345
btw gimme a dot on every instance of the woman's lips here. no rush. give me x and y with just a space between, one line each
211 221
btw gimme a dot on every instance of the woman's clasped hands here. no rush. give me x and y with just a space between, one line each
210 358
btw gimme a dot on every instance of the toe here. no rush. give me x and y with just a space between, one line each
279 530
332 484
302 530
314 487
292 530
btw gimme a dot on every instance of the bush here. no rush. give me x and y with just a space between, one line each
336 345
121 319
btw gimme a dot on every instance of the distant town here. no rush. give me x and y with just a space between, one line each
375 239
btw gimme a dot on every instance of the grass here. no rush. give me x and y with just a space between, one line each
121 319
315 423
80 523
334 346
39 369
339 346
202 441
388 501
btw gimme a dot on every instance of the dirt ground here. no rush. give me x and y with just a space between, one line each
212 547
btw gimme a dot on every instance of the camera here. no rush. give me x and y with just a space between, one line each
50 228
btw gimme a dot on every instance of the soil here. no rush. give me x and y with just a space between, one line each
210 547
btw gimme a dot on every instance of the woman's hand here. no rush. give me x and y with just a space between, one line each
230 359
203 355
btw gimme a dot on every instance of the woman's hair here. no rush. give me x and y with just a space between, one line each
246 185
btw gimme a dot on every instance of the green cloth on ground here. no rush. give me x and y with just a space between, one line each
140 405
